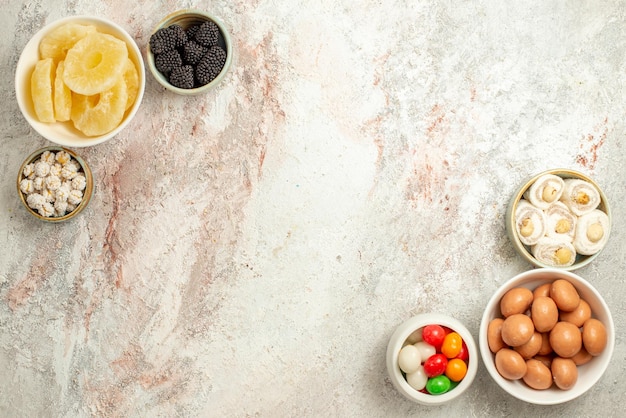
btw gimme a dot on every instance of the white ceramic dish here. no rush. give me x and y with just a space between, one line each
588 374
396 342
64 133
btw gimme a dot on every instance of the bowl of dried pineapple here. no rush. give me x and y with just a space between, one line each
80 80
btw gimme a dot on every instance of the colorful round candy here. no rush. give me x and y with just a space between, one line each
435 365
434 335
438 385
452 345
456 369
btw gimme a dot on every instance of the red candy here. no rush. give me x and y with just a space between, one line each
435 365
463 354
434 335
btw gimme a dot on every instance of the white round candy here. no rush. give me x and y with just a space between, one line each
426 350
409 359
415 336
417 380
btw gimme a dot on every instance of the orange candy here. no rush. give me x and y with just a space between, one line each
456 370
452 345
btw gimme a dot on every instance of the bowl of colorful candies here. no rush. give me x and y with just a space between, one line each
546 336
432 358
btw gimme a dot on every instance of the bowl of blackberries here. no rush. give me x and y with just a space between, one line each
189 52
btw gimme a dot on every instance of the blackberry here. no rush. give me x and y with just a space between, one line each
193 52
166 39
210 65
207 34
182 77
191 31
167 61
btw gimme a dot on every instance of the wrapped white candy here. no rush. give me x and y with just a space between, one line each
554 252
561 222
580 196
592 232
530 222
546 190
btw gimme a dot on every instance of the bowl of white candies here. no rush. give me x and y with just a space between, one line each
432 358
54 184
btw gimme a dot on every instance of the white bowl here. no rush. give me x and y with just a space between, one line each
588 374
64 133
396 342
187 18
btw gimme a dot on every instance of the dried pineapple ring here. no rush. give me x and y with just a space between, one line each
62 96
131 77
41 83
100 113
95 63
56 44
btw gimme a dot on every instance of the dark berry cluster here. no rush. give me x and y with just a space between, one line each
191 57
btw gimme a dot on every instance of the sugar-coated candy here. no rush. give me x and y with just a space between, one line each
438 385
409 359
417 380
434 335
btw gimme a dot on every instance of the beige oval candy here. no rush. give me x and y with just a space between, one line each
515 301
579 315
546 360
494 335
538 375
546 348
594 336
564 295
564 372
531 348
565 339
510 364
544 313
543 290
582 357
517 329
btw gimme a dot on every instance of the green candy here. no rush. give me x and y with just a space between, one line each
438 385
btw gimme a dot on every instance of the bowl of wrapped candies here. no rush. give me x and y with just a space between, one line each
560 219
54 184
189 52
432 358
546 336
80 81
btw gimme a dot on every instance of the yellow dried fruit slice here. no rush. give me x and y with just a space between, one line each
95 63
56 43
62 96
41 85
100 113
131 77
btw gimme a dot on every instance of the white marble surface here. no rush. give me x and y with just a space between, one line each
249 252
